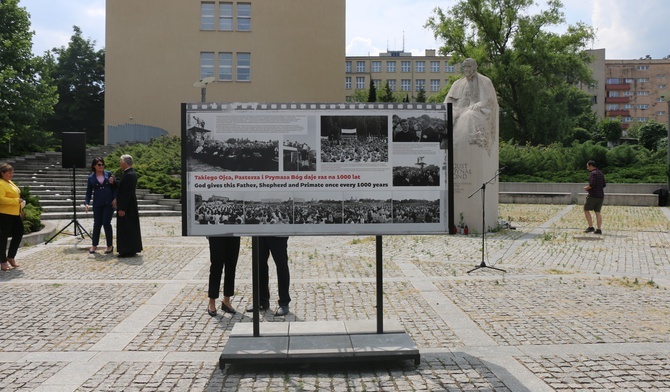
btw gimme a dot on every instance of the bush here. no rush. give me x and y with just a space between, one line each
158 165
33 210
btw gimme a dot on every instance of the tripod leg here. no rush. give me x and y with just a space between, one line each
61 230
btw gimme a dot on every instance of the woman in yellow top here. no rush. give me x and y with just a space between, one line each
11 224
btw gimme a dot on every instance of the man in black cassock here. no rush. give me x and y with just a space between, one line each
128 235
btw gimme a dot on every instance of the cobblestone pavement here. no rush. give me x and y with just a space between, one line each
572 312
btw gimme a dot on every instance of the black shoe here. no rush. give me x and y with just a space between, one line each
227 309
262 308
590 229
282 311
109 251
211 312
598 231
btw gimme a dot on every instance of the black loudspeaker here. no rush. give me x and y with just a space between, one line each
74 150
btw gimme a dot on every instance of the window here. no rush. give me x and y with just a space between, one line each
405 66
449 68
391 83
244 16
420 84
629 80
612 81
360 66
642 80
642 67
347 82
434 66
405 85
226 16
627 94
360 82
435 85
612 106
377 83
628 106
376 66
420 66
642 93
660 113
643 106
626 119
390 66
244 67
226 66
347 66
207 16
662 86
660 99
206 64
613 94
642 119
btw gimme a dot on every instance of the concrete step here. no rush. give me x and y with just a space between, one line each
155 207
143 213
62 202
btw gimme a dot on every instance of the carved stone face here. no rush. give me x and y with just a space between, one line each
469 68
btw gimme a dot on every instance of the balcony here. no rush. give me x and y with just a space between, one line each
619 87
617 99
617 113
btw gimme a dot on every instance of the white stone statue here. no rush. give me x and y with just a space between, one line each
475 106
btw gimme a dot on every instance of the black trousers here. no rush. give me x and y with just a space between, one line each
10 226
223 253
278 247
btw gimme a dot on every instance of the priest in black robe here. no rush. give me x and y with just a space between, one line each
128 234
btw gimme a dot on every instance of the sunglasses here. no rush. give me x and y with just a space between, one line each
100 164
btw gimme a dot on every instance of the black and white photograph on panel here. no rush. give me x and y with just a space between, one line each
422 128
318 208
416 207
417 170
299 153
346 139
238 154
365 207
274 210
213 209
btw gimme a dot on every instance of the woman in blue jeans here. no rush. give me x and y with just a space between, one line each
102 187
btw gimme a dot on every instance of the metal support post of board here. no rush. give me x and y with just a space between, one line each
380 287
255 285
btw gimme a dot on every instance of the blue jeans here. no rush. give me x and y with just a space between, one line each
102 217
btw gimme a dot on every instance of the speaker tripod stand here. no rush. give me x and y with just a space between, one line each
74 221
483 190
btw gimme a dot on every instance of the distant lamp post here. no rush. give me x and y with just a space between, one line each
202 84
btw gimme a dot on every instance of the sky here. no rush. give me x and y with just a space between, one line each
627 29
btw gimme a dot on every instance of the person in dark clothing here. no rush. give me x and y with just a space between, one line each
223 255
101 187
278 247
595 198
128 236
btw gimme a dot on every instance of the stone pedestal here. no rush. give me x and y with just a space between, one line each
473 166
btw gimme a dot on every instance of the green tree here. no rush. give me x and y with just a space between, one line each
26 94
360 95
651 134
533 69
79 75
611 129
372 93
421 97
386 94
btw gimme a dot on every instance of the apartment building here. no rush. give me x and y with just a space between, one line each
637 91
406 74
255 51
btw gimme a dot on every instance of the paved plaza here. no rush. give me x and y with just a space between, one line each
572 312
